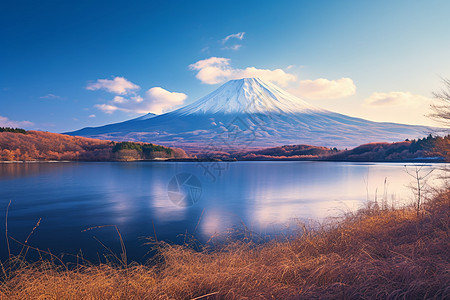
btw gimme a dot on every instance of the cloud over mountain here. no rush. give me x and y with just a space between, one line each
161 100
216 70
325 89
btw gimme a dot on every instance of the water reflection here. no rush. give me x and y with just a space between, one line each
265 196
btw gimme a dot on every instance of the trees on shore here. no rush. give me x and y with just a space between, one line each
38 145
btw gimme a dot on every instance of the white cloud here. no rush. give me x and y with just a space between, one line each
119 99
156 100
239 36
92 116
106 108
399 107
325 89
215 70
396 99
5 122
234 47
161 100
50 96
118 85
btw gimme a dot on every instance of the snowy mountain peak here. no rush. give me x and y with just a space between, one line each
247 95
252 113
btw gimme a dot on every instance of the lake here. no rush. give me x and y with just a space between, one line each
169 199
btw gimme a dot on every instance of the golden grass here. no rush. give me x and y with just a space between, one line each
372 254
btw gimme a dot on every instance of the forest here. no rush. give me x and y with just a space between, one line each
434 148
15 130
21 145
428 148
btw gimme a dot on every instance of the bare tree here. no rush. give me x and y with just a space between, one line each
441 113
420 185
441 109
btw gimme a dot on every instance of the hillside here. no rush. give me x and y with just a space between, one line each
429 148
287 152
21 145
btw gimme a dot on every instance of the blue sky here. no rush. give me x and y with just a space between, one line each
379 60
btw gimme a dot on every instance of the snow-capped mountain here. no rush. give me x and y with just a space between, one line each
252 113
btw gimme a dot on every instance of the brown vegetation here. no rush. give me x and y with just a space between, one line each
377 253
421 149
415 150
288 152
39 145
443 147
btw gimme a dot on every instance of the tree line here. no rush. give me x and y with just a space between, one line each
39 145
14 130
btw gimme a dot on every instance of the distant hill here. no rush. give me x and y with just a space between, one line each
288 152
21 145
426 149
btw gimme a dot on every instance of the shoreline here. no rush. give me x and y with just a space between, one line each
196 160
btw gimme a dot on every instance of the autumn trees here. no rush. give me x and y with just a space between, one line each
15 130
38 145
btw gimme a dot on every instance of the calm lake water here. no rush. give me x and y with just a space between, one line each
172 198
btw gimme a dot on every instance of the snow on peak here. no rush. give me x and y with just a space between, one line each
247 95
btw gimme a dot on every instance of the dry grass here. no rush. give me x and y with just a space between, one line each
372 254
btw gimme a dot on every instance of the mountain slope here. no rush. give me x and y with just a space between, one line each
252 113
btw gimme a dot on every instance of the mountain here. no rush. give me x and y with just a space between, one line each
252 113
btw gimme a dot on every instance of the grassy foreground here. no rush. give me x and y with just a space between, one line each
373 254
